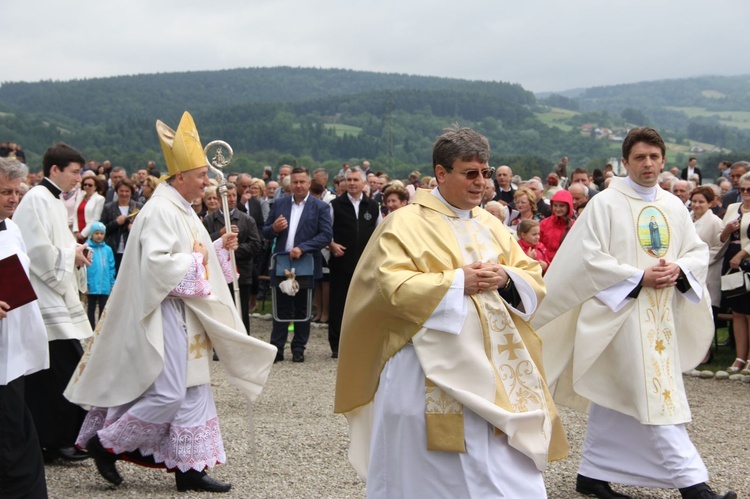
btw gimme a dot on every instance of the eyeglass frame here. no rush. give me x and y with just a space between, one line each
474 174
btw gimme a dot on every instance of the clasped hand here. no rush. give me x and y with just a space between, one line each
479 277
661 275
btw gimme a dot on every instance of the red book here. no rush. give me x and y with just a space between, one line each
15 287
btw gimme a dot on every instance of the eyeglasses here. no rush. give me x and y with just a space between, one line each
88 185
473 174
744 189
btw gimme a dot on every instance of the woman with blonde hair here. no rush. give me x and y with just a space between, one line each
258 191
211 198
525 202
148 188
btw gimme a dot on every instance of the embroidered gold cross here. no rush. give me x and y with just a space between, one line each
200 345
476 248
510 347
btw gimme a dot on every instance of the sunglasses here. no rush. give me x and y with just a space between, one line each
473 174
88 185
744 189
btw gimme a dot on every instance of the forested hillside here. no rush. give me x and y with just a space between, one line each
322 117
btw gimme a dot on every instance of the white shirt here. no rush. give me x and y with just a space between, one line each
296 214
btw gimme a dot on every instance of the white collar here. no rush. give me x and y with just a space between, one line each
186 205
646 193
458 211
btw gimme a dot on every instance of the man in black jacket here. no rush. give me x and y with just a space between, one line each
355 217
249 246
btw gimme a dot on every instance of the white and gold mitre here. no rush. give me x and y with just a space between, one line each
182 148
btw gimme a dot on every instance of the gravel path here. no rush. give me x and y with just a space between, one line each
299 447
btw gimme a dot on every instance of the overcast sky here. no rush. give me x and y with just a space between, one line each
545 45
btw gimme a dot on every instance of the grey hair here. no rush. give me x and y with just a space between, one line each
715 188
12 169
537 182
354 169
741 164
671 187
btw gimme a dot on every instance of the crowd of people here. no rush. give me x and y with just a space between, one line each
407 298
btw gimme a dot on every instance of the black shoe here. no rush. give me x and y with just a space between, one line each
199 480
703 491
216 357
279 358
64 453
105 460
298 357
335 355
596 488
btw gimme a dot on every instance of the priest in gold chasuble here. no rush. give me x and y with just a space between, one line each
439 374
627 313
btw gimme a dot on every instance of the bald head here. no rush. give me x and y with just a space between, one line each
503 176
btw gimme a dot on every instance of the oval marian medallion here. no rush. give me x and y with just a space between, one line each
653 231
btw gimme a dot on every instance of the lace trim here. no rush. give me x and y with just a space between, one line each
182 447
194 283
93 422
224 261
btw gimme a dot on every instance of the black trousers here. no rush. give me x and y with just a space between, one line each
57 420
340 281
101 300
118 262
21 463
244 303
291 307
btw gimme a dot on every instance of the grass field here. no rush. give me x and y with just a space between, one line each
344 129
556 117
737 119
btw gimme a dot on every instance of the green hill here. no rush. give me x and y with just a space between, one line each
326 116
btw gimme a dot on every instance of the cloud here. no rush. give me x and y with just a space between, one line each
541 45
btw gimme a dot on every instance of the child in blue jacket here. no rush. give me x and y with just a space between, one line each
101 273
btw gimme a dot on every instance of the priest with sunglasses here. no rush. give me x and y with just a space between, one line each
440 374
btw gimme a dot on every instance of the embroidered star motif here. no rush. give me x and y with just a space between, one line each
660 346
667 395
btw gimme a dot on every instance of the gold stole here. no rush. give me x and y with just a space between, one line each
655 310
518 384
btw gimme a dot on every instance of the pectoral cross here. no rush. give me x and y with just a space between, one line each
510 347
